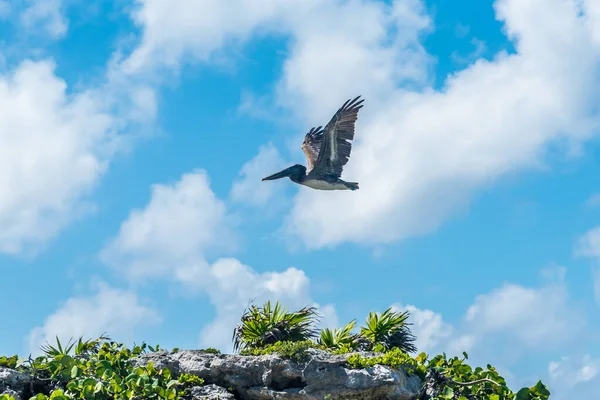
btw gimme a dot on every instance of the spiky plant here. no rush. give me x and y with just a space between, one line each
261 326
339 337
82 347
389 330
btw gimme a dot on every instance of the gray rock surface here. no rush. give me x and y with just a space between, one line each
272 377
210 392
14 383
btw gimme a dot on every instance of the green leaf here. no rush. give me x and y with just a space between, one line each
171 394
447 393
523 394
99 387
540 390
74 372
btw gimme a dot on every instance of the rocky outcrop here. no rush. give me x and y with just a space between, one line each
320 376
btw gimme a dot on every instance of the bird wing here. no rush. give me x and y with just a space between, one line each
311 145
335 143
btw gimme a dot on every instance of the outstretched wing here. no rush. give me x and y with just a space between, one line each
311 146
336 146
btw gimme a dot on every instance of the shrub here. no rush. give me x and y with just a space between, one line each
388 330
101 370
260 327
339 339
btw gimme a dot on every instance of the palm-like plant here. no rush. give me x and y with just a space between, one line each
261 326
82 347
389 330
339 337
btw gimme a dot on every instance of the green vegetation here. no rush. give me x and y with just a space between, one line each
97 370
389 335
262 326
295 351
102 369
388 330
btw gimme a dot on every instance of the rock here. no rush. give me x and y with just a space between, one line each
14 383
272 377
210 392
320 376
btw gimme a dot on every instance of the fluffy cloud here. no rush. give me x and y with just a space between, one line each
574 375
54 147
429 328
180 223
171 238
490 119
109 310
249 188
545 311
498 318
419 156
45 16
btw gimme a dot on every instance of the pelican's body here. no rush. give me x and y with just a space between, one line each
327 151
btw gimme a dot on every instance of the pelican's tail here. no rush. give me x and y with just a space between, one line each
351 185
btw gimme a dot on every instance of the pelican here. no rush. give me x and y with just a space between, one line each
327 151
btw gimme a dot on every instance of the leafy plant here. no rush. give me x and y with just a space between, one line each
9 362
295 351
340 338
388 330
262 326
394 358
211 350
102 370
458 380
81 347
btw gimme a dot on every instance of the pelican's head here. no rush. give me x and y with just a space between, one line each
295 173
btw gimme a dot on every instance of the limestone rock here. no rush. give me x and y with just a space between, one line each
14 383
321 376
210 392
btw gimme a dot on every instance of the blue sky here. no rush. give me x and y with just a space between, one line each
133 137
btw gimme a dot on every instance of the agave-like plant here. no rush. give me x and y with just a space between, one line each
339 337
81 347
389 330
261 326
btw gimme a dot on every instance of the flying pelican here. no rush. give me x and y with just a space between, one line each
327 151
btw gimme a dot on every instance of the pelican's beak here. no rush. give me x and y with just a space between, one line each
280 174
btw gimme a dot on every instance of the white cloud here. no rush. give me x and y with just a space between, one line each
170 238
45 15
232 285
429 328
54 147
545 311
520 318
249 188
575 376
492 118
588 245
180 223
115 312
574 370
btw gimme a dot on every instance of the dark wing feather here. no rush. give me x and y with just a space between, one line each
336 146
311 146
